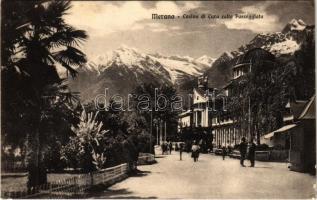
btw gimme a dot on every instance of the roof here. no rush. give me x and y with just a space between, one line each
230 83
309 111
255 55
188 112
240 65
280 130
200 91
297 108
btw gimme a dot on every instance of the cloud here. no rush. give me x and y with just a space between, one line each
269 22
155 27
101 18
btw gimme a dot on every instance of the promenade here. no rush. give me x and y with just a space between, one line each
211 177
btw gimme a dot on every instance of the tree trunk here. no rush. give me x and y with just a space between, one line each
36 167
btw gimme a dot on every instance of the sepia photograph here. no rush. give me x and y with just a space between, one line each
158 99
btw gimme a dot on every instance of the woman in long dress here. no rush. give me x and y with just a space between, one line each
195 151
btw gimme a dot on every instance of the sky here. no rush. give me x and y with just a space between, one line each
113 24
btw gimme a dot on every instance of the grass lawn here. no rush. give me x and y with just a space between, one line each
17 181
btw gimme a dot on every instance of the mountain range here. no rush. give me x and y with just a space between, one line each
281 44
123 69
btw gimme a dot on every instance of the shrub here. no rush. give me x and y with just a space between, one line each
70 153
262 147
85 148
52 157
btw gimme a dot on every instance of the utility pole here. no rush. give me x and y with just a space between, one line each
157 135
249 127
165 130
161 131
249 123
151 132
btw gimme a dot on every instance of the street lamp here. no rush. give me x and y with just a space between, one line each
155 122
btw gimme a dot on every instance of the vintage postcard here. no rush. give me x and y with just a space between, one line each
158 99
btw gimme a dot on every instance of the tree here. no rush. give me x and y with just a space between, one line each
89 135
271 83
166 115
36 40
251 93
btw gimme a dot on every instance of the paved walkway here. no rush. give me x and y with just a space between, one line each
211 177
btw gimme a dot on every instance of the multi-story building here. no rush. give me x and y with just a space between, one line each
200 103
198 116
184 119
214 110
227 128
209 112
195 123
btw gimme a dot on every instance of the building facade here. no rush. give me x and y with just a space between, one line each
227 112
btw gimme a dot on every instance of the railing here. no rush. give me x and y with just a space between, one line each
72 187
262 155
12 166
259 155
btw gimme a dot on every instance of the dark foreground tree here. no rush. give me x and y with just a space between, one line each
36 40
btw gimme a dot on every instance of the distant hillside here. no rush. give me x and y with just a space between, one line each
122 70
282 44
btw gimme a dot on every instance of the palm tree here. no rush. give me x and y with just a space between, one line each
36 40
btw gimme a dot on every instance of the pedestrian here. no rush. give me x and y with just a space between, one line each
195 151
224 152
162 148
181 146
229 150
165 147
243 151
251 154
170 147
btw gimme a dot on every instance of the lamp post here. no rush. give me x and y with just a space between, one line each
164 130
151 132
155 122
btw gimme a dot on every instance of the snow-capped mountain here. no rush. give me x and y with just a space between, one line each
171 68
125 68
206 60
128 59
280 44
288 46
295 25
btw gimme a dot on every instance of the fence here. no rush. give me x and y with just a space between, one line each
12 166
262 155
73 187
259 155
146 158
279 155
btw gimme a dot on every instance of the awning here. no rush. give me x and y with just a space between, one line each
280 130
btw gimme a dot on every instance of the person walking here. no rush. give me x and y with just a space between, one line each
243 151
181 146
170 147
195 151
163 147
224 152
251 154
176 146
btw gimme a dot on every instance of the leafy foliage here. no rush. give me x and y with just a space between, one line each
87 142
36 40
270 85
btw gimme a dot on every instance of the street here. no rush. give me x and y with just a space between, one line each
211 177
